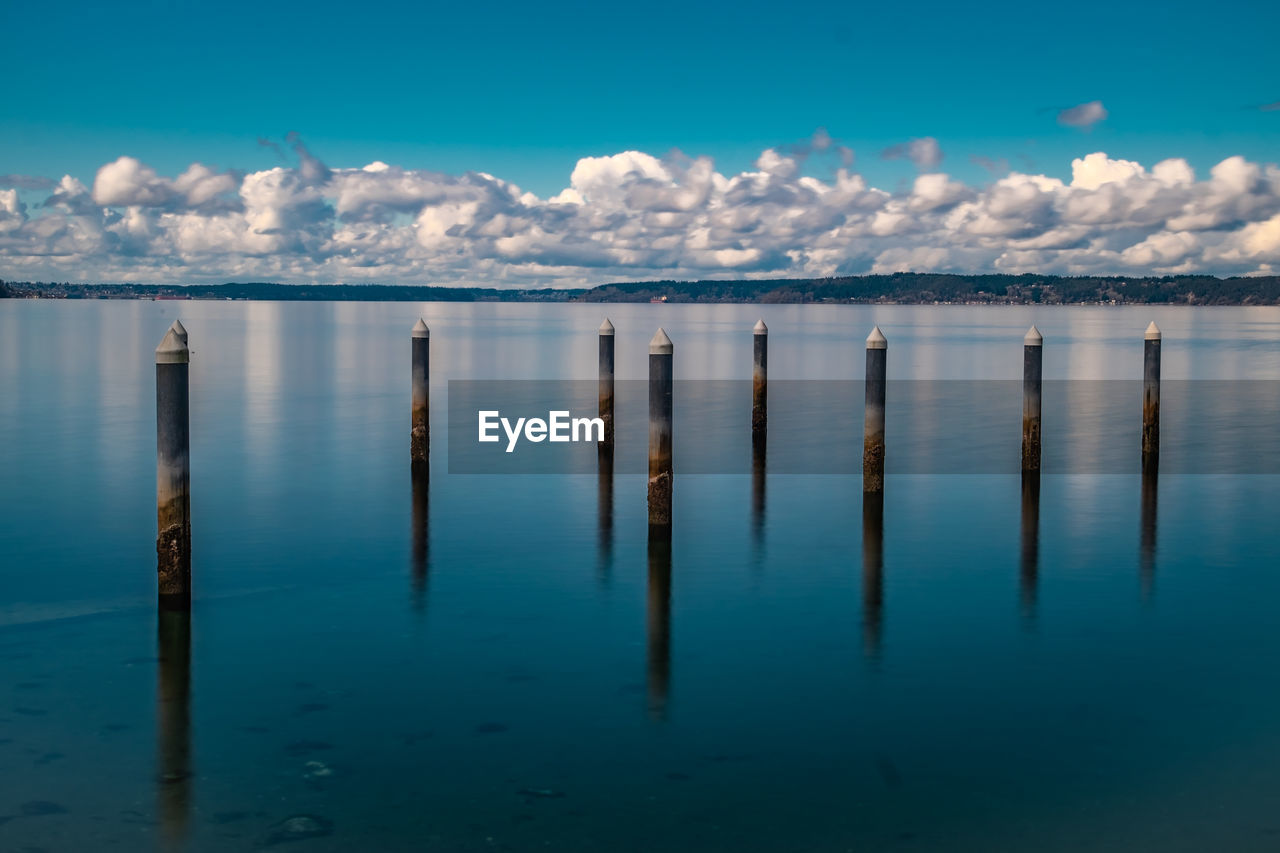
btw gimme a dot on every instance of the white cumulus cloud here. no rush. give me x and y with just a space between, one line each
633 215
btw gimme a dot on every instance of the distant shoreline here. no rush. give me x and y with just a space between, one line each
896 289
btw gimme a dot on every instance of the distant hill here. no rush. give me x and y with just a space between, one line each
903 288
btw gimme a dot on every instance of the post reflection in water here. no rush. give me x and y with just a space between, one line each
872 572
604 521
1029 565
757 486
1147 550
659 621
421 531
173 722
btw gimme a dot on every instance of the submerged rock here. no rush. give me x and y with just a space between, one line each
317 770
299 828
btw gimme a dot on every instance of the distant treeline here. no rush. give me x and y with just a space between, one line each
280 292
910 288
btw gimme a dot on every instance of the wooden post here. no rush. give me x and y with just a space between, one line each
1151 399
173 470
873 417
420 433
1032 359
606 384
661 476
759 382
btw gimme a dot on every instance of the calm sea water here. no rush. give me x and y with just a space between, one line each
501 662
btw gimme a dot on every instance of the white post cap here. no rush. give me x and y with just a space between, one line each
760 327
1033 338
420 329
606 328
172 349
180 329
877 340
1153 332
661 344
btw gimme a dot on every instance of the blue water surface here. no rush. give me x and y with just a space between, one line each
490 662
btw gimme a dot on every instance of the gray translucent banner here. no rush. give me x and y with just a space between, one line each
932 427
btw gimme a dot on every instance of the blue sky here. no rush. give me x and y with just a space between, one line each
377 118
523 90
